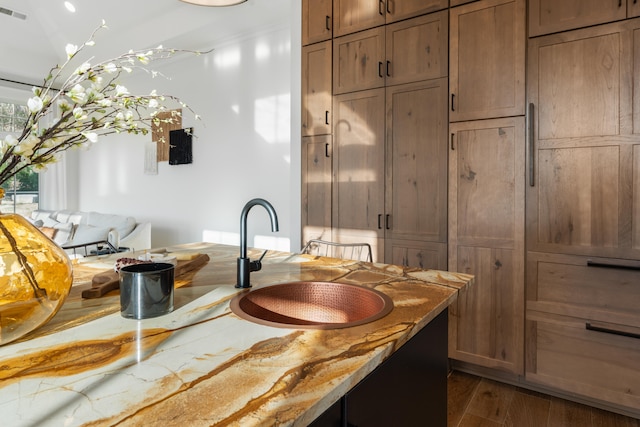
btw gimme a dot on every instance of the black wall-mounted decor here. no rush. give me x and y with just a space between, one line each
180 146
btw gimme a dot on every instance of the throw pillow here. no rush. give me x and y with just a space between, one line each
49 232
88 234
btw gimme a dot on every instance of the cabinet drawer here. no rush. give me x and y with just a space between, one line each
586 287
563 354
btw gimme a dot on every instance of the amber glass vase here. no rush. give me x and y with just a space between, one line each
35 278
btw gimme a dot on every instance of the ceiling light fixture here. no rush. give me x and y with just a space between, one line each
70 7
215 2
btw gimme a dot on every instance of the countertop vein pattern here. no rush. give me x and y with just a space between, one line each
201 364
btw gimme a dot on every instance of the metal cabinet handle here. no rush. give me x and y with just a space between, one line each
388 68
379 221
380 72
389 6
452 147
619 3
327 149
387 222
588 326
612 265
328 23
532 145
452 98
381 7
326 117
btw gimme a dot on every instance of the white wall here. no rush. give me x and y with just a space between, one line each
247 145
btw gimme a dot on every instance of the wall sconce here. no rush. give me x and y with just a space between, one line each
215 2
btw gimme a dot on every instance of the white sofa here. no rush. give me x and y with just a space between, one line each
74 228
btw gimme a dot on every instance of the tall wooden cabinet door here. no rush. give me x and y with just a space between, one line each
316 188
417 49
317 21
358 61
552 16
487 60
486 239
356 15
583 195
416 163
403 9
316 89
358 169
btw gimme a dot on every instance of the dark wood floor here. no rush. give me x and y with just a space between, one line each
479 402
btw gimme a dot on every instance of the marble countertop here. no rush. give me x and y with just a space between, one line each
202 364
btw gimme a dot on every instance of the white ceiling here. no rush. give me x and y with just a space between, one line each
30 47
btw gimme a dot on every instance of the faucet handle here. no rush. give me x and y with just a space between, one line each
257 265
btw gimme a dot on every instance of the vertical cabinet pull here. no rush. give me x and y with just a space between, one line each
619 3
532 145
328 23
326 117
327 149
452 98
380 72
387 222
389 6
381 7
379 221
452 147
388 68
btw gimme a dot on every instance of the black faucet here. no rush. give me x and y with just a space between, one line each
245 265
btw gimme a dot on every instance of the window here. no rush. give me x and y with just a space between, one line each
21 192
12 117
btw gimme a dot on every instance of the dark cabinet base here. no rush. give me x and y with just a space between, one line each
408 389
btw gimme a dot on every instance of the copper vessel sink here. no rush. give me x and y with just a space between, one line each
312 305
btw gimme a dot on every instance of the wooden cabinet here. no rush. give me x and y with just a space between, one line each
486 239
316 187
358 61
316 89
407 51
397 10
551 16
416 173
583 196
358 169
633 8
487 52
357 15
317 21
417 49
583 211
583 327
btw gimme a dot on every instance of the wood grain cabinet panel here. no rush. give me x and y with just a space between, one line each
487 60
583 327
358 169
486 239
316 89
397 10
417 49
317 21
582 194
552 16
316 187
359 61
357 15
416 173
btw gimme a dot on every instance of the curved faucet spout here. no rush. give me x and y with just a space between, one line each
243 221
245 265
